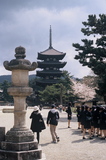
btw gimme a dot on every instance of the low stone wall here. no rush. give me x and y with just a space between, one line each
8 110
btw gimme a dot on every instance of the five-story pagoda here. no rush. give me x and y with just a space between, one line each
50 65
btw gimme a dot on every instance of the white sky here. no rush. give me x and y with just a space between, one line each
27 23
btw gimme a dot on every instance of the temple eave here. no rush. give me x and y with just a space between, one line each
47 55
42 65
49 73
47 82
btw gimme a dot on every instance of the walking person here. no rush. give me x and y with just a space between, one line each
52 120
69 114
37 124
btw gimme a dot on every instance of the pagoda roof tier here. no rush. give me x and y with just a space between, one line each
49 73
46 82
51 53
51 64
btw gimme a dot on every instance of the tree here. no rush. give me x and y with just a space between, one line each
66 80
60 93
93 51
56 93
5 96
53 93
101 90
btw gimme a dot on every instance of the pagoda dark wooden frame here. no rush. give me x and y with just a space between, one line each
50 65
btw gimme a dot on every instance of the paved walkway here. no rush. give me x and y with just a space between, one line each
71 145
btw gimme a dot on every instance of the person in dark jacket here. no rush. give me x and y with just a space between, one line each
96 120
82 116
87 123
52 120
78 110
37 124
69 114
103 122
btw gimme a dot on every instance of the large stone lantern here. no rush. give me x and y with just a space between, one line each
19 141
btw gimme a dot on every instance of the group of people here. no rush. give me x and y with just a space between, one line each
38 124
92 120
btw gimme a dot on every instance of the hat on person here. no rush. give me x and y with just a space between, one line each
36 108
53 106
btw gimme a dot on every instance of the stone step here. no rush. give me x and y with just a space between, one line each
21 155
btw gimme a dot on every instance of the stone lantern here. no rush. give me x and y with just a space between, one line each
19 141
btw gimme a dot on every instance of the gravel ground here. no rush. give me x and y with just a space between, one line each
71 145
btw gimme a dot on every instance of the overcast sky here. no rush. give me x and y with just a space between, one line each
27 23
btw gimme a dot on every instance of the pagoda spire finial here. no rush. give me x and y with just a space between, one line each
50 38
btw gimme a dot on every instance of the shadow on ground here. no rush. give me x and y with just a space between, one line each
94 140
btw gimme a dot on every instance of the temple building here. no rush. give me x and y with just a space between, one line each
50 65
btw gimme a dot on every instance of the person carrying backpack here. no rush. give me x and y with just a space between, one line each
52 120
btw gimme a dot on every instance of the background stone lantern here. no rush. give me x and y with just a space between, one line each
19 141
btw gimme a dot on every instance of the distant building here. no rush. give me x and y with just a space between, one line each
50 65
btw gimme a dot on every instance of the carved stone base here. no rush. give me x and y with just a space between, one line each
19 136
25 146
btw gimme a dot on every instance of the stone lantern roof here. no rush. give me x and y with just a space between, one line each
20 62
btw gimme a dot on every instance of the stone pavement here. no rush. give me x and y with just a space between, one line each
71 145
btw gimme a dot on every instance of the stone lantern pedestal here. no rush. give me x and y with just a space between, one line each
19 141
